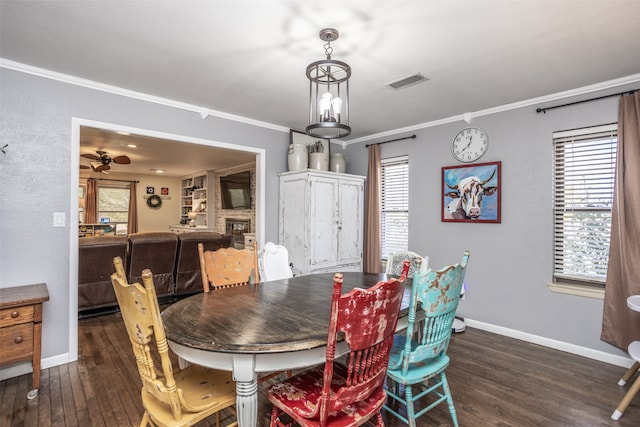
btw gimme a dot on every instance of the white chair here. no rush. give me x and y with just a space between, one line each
633 302
274 262
395 260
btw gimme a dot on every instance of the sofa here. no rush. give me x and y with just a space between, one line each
172 258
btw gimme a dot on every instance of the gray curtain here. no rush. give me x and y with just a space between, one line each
620 324
372 262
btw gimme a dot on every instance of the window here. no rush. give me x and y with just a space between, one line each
113 203
395 205
584 172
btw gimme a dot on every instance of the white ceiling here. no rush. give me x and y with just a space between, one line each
248 58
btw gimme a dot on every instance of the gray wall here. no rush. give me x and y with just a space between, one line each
511 262
36 178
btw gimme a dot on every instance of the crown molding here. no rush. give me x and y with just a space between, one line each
90 84
204 112
634 78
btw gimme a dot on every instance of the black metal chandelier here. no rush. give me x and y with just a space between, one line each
328 93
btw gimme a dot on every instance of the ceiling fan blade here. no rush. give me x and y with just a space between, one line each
90 156
84 167
121 160
99 167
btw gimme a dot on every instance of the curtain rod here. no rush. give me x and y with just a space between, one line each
109 179
544 110
393 140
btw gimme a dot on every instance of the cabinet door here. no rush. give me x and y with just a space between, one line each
351 220
323 222
294 211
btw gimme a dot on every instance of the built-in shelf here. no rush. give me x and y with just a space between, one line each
197 196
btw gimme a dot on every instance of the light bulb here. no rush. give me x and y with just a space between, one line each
325 107
336 103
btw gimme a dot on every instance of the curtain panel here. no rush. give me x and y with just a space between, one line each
372 257
620 324
91 202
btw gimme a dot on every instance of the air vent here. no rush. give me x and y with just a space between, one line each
407 81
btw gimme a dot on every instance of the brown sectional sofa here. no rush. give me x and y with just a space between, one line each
172 258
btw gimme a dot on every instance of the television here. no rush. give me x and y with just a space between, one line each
235 190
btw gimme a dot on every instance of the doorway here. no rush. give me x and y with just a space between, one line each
186 143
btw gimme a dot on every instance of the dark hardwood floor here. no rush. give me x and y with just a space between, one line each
495 381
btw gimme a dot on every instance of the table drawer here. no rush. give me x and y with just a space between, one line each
16 343
16 315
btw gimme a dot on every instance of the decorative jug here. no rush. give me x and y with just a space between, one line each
338 163
298 158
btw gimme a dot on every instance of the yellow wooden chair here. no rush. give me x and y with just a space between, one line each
228 267
170 398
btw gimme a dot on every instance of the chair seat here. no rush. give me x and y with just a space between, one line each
201 387
634 350
418 372
301 394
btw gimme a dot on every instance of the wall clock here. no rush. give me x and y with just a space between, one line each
469 144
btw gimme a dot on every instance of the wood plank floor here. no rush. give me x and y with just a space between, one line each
495 381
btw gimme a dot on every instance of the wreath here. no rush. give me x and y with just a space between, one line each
154 201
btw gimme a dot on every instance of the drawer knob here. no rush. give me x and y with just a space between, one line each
14 314
18 339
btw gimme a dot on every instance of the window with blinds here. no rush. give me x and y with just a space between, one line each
113 203
584 175
395 205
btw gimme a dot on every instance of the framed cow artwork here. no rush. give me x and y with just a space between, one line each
471 193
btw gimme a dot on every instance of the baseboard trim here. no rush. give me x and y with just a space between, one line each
551 343
25 368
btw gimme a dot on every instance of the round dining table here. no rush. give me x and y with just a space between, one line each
266 327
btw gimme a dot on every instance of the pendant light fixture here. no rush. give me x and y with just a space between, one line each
328 93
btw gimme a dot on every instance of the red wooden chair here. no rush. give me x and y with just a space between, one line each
349 393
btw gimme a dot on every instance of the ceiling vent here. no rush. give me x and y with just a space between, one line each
407 81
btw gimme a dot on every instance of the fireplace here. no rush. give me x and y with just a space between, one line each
236 227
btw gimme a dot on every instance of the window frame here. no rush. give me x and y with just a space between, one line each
584 166
401 202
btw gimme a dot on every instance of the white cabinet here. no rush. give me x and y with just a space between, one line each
197 196
321 220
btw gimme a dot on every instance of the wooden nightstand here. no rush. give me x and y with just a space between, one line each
21 327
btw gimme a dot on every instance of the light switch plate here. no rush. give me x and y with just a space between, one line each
58 219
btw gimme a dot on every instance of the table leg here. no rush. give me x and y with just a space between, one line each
246 379
247 403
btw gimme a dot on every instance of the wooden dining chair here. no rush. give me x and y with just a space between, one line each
351 391
228 267
170 398
419 360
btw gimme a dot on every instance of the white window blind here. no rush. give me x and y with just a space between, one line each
395 205
113 203
584 173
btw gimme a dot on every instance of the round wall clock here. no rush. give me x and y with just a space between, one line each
469 144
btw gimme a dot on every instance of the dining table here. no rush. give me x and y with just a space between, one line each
266 327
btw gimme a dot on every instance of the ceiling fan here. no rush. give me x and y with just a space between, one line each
101 162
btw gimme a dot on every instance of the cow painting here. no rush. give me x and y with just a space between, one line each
471 193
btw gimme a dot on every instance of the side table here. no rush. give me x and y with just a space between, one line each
21 327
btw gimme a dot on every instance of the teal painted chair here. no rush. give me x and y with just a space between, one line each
417 365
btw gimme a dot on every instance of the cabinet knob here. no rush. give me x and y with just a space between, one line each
14 314
18 339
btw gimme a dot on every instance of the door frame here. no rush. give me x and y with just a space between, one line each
76 125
